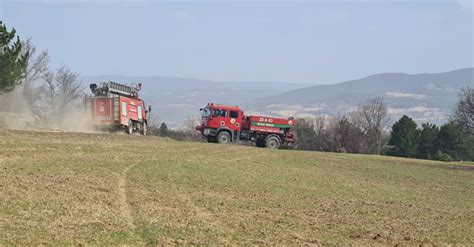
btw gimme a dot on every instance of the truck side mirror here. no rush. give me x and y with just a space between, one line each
149 108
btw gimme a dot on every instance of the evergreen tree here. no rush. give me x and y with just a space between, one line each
163 131
452 141
13 62
467 149
404 137
427 141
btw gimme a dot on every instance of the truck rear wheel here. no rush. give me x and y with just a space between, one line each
130 127
144 128
273 142
223 137
260 143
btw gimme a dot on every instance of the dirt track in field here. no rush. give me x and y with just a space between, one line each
125 210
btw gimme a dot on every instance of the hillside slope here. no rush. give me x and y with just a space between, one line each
106 189
425 97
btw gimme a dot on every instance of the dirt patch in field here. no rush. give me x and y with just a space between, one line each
461 167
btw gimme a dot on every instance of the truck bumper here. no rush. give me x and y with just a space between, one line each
208 132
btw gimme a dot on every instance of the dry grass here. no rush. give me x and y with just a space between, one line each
104 189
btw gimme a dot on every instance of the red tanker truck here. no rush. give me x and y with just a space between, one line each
225 124
117 106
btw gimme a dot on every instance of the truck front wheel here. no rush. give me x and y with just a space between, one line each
211 139
223 137
273 142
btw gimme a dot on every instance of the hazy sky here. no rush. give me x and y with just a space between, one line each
293 41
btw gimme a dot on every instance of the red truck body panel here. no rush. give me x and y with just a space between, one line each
116 110
130 108
102 109
269 124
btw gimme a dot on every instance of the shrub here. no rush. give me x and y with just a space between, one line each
443 156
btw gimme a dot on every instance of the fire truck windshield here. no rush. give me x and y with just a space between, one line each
206 112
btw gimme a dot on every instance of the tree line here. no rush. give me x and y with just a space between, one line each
360 131
453 140
364 130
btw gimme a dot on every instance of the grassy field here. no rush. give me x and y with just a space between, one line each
106 189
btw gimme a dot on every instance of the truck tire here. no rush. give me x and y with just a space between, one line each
144 128
211 139
260 143
223 137
130 127
273 142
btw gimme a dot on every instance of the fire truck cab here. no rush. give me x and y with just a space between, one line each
225 124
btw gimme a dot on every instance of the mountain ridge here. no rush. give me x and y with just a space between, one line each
425 96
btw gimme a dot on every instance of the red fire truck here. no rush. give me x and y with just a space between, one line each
117 106
225 124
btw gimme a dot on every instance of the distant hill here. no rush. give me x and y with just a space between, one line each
173 99
425 97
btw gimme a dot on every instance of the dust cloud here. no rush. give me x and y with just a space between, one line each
16 113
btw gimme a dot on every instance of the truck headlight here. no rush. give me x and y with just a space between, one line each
206 131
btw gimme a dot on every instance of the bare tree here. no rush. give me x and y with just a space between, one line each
464 111
37 67
345 135
312 134
189 128
305 135
371 116
321 133
62 89
153 124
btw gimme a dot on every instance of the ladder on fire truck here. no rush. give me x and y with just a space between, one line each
118 88
115 88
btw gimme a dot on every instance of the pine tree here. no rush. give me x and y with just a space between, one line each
427 141
163 131
404 137
452 141
13 62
